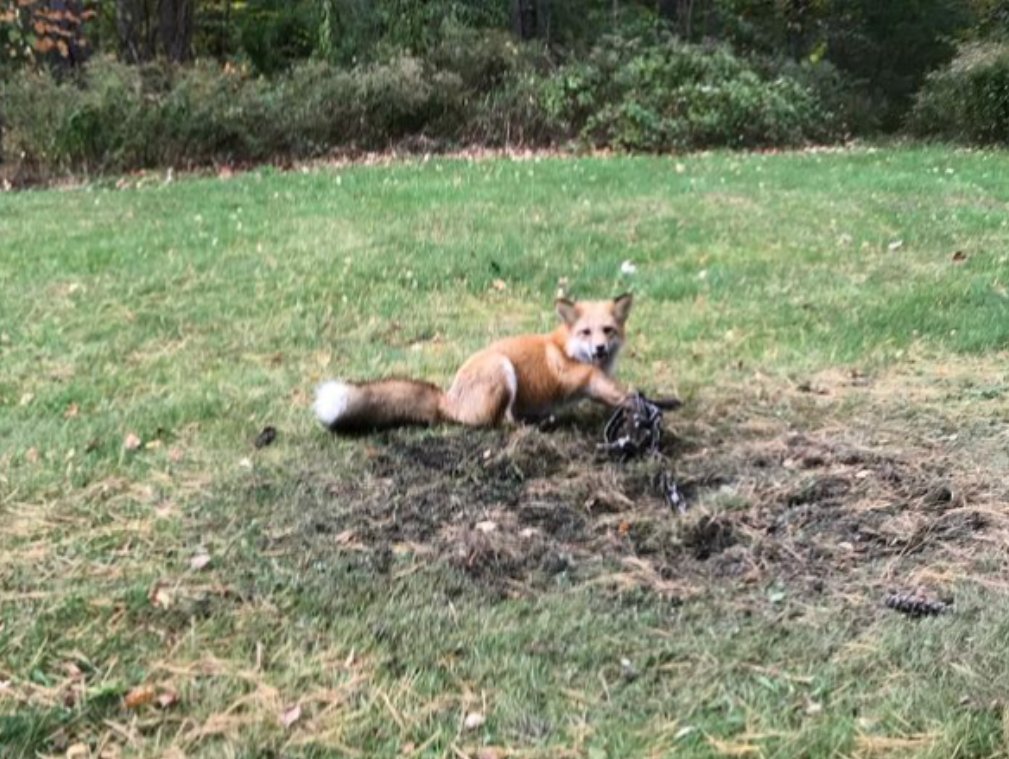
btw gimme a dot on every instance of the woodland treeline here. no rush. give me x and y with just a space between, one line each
118 84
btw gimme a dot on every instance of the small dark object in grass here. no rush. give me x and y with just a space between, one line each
915 605
670 491
636 427
266 436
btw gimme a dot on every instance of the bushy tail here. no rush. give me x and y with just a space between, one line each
351 407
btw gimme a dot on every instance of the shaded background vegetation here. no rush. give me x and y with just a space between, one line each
114 85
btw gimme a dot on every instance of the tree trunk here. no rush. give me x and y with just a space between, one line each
130 23
531 19
136 27
175 29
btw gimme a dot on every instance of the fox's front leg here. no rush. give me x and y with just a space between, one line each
602 388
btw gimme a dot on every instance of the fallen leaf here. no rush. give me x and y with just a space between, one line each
486 526
139 696
27 398
291 716
160 596
500 285
488 752
345 538
131 442
199 561
959 257
895 245
72 411
78 751
473 720
684 731
166 699
32 455
175 455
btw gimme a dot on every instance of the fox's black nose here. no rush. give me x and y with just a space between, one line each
600 350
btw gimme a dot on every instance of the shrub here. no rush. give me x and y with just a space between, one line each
526 110
275 34
403 97
95 122
482 59
652 94
852 110
116 117
968 100
665 95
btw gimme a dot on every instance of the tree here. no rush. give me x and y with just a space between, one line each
155 27
44 30
175 29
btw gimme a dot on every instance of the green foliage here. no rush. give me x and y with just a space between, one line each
403 97
527 109
116 117
851 109
482 87
889 48
482 59
969 99
885 49
277 33
54 124
662 94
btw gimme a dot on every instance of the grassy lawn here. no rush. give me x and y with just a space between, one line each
837 323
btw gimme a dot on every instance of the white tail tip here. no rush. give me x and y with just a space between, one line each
331 401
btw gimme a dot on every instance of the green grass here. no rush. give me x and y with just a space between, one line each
194 313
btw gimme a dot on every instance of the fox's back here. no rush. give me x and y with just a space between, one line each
542 371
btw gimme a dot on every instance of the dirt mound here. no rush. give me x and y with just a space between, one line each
513 509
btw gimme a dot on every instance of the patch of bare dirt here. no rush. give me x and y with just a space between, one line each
514 509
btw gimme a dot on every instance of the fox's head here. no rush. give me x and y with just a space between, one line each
595 329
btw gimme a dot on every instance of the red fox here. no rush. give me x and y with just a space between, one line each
518 378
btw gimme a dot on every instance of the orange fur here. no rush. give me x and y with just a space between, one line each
516 378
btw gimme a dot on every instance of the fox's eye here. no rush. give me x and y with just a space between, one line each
608 331
585 332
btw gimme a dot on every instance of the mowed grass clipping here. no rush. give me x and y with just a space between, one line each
836 321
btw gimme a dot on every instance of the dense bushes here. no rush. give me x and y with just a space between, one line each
658 95
118 117
969 99
625 94
669 95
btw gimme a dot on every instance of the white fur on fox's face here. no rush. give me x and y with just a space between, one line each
331 401
594 346
595 330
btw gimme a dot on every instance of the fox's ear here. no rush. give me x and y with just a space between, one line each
622 306
567 310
